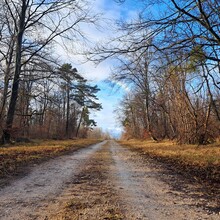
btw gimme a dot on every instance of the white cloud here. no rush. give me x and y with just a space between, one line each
94 72
106 118
99 34
110 12
122 85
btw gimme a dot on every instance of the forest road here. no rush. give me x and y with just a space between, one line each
103 181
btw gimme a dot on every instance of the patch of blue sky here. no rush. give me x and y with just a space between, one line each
109 97
126 10
106 118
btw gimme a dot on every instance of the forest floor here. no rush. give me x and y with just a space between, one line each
106 181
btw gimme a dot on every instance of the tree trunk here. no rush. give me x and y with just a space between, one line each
215 108
6 137
67 111
80 121
7 78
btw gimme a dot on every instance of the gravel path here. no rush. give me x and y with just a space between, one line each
104 181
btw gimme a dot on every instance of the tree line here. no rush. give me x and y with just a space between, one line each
40 96
169 58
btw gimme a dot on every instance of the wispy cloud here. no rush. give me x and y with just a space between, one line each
110 12
121 85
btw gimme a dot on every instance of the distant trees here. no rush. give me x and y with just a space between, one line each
98 133
69 78
86 98
135 71
170 58
29 30
177 110
50 107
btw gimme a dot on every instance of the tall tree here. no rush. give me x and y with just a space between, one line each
70 76
37 24
184 38
86 97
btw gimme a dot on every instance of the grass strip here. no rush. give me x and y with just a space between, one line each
202 162
15 156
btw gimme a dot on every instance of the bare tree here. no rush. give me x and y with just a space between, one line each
184 38
37 24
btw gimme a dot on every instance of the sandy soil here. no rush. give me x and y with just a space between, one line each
104 181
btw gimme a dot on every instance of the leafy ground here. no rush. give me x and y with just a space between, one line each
15 157
197 165
202 161
104 181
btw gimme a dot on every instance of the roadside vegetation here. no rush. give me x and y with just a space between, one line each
203 162
40 97
169 64
13 157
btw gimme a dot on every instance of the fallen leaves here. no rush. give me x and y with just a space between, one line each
203 162
12 157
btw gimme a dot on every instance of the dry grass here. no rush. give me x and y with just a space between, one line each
12 157
204 159
190 154
76 204
113 215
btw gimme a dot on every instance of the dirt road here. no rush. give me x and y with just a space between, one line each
104 181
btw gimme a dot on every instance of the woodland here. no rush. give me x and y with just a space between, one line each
169 60
168 57
42 97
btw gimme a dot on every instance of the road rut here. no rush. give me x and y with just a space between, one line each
103 181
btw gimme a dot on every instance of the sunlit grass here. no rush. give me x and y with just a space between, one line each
190 154
13 156
203 156
200 162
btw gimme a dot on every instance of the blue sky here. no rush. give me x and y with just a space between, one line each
106 118
97 74
109 97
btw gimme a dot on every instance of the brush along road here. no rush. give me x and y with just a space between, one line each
103 181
